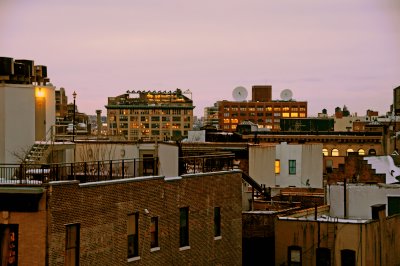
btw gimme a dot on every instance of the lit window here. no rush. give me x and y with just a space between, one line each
154 232
361 152
294 114
133 236
277 167
349 151
325 152
335 152
302 115
292 167
184 227
285 115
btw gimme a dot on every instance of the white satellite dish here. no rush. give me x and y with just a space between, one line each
286 95
239 94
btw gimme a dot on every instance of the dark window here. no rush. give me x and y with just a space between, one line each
184 227
294 256
323 257
393 205
154 232
9 244
217 221
292 167
72 244
348 257
133 235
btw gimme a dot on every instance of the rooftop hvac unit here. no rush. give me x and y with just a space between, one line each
21 69
6 66
29 64
41 71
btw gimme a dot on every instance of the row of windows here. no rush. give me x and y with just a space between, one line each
323 256
156 112
293 114
335 152
72 239
261 109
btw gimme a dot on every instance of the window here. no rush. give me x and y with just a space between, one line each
9 244
277 167
325 152
348 257
372 152
217 221
348 151
154 232
292 167
323 257
393 205
133 235
72 244
184 227
294 256
335 152
361 152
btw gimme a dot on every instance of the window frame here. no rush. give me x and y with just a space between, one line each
133 235
183 227
292 167
217 222
291 262
154 243
72 244
277 167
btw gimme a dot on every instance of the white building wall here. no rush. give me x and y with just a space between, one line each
169 161
312 165
309 164
49 93
17 119
284 153
262 164
360 198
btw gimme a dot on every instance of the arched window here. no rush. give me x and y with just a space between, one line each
348 151
325 152
335 152
372 152
361 152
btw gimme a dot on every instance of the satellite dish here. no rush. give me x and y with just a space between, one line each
286 95
239 93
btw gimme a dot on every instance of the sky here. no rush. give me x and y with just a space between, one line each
329 53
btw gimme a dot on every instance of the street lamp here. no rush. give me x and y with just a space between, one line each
73 119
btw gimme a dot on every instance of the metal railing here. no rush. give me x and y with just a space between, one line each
206 163
37 174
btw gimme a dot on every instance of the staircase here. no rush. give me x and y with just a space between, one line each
38 153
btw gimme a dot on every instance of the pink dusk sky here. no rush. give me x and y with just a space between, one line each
329 53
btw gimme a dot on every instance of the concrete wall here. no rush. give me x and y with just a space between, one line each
17 119
101 209
262 164
374 242
360 198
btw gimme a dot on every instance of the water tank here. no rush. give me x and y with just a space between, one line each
6 66
21 69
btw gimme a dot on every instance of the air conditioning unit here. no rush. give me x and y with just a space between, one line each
6 66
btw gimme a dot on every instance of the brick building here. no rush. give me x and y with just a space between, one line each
190 220
261 109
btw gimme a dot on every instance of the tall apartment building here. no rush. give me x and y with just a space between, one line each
150 115
61 104
261 110
211 116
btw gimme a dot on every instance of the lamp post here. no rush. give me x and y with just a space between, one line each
73 119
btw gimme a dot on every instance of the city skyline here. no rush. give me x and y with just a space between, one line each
329 54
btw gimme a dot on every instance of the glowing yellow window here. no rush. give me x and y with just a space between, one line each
277 167
295 114
226 121
302 115
285 115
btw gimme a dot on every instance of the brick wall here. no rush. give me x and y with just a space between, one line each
102 209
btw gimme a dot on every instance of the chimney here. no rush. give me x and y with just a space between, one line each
99 124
